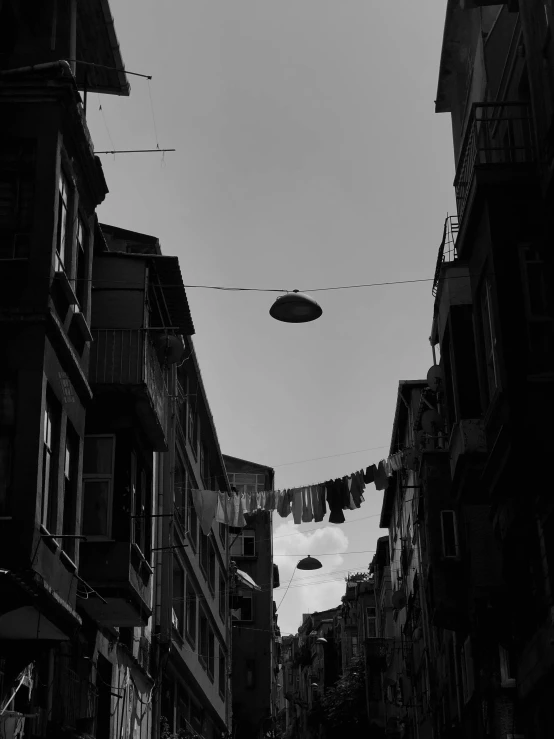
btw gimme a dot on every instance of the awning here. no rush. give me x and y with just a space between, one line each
247 580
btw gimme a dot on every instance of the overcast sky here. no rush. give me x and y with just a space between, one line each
308 155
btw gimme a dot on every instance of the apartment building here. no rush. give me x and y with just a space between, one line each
256 636
113 600
50 185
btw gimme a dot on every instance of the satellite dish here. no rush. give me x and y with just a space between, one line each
431 422
170 348
434 377
398 600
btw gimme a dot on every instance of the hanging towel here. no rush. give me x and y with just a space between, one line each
381 479
297 505
370 473
307 509
396 461
222 511
322 498
205 503
285 503
317 503
334 499
357 486
388 467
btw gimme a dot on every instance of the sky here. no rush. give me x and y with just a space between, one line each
308 155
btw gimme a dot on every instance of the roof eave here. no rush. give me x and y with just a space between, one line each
442 102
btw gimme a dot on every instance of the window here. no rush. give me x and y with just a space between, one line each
140 505
467 670
507 669
48 506
192 517
211 566
179 491
243 607
178 613
191 612
489 339
81 284
222 673
355 648
70 488
204 552
192 424
207 645
371 620
222 597
449 535
98 466
247 482
17 185
63 243
244 544
205 467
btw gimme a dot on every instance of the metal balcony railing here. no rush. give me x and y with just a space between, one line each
127 357
447 249
496 134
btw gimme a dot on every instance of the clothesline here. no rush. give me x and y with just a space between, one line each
307 503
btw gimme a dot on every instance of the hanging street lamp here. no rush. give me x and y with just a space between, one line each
295 307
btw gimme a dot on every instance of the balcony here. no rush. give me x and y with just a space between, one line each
119 573
125 361
498 139
447 249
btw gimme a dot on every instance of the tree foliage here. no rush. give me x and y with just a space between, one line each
343 707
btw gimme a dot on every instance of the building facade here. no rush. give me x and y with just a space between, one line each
114 617
256 636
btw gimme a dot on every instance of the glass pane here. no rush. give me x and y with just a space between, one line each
96 506
98 455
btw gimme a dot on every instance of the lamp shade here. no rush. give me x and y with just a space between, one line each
321 640
309 563
295 307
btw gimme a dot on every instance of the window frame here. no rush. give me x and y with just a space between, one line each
48 464
244 594
65 196
178 605
101 477
191 597
222 595
244 533
222 673
490 339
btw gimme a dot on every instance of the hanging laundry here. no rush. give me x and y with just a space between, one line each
284 507
357 487
222 510
369 475
396 461
297 505
205 503
381 479
334 499
317 506
307 506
